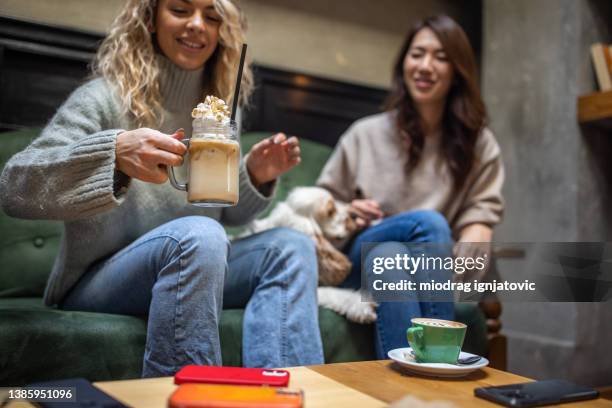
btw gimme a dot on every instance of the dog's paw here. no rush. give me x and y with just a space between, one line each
347 303
331 298
362 312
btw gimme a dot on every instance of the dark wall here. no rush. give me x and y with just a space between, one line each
40 65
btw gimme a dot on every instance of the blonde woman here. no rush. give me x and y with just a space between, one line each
132 245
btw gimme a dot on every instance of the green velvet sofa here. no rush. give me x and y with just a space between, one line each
41 343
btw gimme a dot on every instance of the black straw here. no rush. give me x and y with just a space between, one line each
238 81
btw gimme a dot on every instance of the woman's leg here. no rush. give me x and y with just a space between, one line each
175 274
394 317
274 274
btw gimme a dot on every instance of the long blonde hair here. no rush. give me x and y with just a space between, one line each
126 58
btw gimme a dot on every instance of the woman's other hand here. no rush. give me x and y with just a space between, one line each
272 157
476 233
474 241
144 153
366 211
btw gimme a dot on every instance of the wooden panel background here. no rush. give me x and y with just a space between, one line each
40 65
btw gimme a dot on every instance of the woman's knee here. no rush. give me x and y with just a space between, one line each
430 224
198 225
291 241
201 240
294 246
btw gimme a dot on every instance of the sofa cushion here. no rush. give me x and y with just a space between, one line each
40 343
27 248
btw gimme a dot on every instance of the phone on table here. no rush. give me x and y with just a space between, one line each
85 395
234 396
232 375
537 393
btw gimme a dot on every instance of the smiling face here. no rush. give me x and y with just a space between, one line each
187 31
428 74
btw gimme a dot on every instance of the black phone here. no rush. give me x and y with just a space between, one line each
85 395
537 393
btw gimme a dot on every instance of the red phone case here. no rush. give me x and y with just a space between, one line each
232 375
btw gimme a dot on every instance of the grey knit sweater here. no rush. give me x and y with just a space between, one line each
68 174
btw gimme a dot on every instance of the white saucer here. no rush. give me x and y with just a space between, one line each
404 357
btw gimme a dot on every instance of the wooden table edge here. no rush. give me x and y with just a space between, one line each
484 377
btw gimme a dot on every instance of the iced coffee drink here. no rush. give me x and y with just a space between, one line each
214 156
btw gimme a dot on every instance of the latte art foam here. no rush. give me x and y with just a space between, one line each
438 323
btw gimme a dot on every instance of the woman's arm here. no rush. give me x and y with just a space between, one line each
339 173
474 242
68 172
482 207
482 203
476 233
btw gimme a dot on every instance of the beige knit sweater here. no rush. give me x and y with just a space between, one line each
370 158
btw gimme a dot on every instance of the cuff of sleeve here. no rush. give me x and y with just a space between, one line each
121 182
480 216
94 176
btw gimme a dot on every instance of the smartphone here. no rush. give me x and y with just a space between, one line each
234 396
537 393
232 375
85 395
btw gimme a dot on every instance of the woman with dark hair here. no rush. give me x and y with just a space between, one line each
426 170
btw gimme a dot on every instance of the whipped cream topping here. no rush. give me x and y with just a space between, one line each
212 109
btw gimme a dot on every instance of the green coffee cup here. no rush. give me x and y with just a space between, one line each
436 341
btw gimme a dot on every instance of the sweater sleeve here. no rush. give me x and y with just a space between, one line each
484 202
251 201
339 173
68 172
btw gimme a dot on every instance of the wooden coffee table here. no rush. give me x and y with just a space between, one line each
359 384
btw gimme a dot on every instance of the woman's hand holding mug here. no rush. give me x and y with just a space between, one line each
144 153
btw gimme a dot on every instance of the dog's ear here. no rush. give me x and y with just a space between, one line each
334 266
327 210
350 223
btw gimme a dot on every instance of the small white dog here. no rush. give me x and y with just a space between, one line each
313 211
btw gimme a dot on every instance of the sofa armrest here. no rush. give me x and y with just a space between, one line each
496 341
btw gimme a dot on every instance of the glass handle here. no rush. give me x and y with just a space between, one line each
171 175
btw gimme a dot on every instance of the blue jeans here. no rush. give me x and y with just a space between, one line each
394 317
179 275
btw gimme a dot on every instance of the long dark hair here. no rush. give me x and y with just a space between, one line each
464 113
